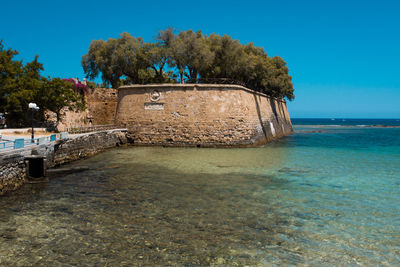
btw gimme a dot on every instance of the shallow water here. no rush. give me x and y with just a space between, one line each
323 196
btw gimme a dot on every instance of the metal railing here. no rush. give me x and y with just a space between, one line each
219 81
6 144
232 82
94 128
21 142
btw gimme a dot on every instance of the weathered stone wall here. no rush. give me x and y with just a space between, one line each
101 104
200 115
69 119
12 172
86 145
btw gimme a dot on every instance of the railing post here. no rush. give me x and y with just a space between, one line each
19 143
64 135
41 140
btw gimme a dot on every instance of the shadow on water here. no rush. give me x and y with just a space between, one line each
147 215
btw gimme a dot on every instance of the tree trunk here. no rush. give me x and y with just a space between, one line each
181 75
57 120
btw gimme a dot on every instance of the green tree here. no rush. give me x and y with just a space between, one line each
188 55
192 53
18 85
126 57
10 71
229 60
177 58
55 94
278 80
21 84
130 57
101 59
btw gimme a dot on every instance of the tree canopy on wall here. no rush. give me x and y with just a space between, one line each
186 57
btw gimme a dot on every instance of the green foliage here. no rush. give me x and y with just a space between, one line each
93 85
194 54
56 93
21 84
18 84
127 58
187 56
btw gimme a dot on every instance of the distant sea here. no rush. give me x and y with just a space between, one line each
327 195
347 122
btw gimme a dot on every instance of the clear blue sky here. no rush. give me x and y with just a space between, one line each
343 55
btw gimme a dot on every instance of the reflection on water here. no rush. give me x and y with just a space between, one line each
195 207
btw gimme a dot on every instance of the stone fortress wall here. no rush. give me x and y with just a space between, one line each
206 115
101 104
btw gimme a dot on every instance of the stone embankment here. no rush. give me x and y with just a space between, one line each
13 167
12 172
85 145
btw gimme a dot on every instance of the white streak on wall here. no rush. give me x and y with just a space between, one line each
272 128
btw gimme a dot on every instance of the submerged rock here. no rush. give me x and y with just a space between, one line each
68 170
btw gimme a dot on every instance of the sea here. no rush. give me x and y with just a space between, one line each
327 195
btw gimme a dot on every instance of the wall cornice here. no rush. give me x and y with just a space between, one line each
198 86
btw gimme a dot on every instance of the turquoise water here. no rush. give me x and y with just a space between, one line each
328 195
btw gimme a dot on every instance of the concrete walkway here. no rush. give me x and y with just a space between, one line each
10 135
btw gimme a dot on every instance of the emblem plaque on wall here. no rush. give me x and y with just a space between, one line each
155 95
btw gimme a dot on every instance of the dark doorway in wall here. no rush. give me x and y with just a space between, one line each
36 166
